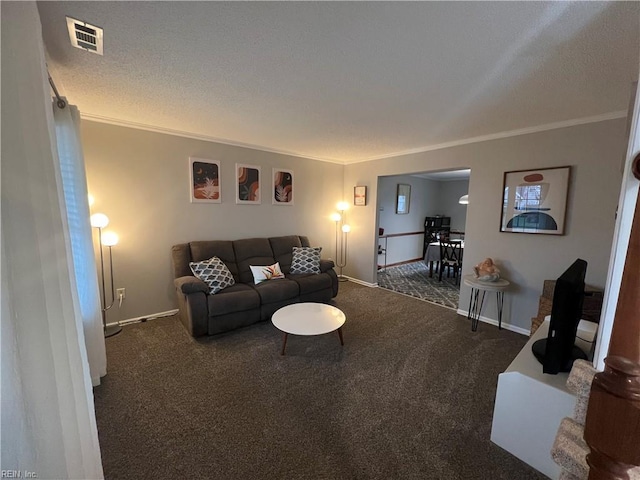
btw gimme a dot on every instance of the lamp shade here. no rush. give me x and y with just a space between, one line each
336 217
109 239
464 200
346 228
99 220
342 206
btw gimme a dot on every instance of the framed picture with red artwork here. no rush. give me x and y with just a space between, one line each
205 180
282 188
247 184
360 196
535 201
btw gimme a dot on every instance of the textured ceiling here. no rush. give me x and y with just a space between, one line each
347 81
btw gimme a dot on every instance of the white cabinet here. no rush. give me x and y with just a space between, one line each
529 407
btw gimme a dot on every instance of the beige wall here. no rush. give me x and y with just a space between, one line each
140 180
594 150
450 193
424 201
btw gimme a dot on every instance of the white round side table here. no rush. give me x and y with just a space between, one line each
475 307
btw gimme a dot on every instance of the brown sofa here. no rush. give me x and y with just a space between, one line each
245 302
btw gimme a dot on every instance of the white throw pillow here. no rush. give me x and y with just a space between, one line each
270 272
306 260
214 273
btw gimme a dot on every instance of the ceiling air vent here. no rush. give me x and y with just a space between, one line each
85 36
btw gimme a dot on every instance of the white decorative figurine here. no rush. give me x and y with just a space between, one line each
486 271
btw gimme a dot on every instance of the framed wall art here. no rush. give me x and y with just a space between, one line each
535 201
204 177
403 199
282 188
360 196
247 184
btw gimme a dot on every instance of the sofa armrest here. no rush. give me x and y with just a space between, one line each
190 284
326 265
192 302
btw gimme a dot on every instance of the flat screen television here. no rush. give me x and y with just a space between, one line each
557 352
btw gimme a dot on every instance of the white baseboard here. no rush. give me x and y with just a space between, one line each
491 321
465 313
360 282
151 316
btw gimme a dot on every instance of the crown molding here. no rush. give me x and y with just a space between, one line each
440 146
196 136
496 136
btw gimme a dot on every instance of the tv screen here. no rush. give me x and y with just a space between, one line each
557 352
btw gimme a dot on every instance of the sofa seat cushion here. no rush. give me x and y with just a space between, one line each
310 282
237 298
277 290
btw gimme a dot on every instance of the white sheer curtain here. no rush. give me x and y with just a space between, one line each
48 418
85 280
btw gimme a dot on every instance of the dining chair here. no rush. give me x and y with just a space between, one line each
444 235
450 257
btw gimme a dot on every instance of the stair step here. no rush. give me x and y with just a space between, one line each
580 378
564 475
570 450
579 383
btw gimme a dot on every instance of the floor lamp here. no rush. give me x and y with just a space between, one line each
342 229
106 239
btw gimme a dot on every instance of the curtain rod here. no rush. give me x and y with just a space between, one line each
60 101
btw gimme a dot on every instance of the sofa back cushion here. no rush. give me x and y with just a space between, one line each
181 256
282 250
223 249
252 251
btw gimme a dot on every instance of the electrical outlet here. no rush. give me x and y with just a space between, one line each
120 292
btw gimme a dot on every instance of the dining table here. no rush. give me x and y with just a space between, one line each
432 254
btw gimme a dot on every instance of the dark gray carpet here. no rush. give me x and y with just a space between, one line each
413 279
409 396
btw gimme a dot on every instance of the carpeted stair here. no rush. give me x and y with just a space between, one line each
569 449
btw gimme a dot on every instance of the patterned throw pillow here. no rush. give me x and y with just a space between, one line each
306 260
214 273
271 272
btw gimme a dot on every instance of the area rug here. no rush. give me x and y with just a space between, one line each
413 279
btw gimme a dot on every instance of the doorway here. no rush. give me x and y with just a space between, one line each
403 240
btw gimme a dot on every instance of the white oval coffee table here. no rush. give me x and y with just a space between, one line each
308 319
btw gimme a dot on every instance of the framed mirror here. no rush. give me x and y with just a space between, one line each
403 199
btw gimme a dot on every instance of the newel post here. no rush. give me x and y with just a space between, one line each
612 428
